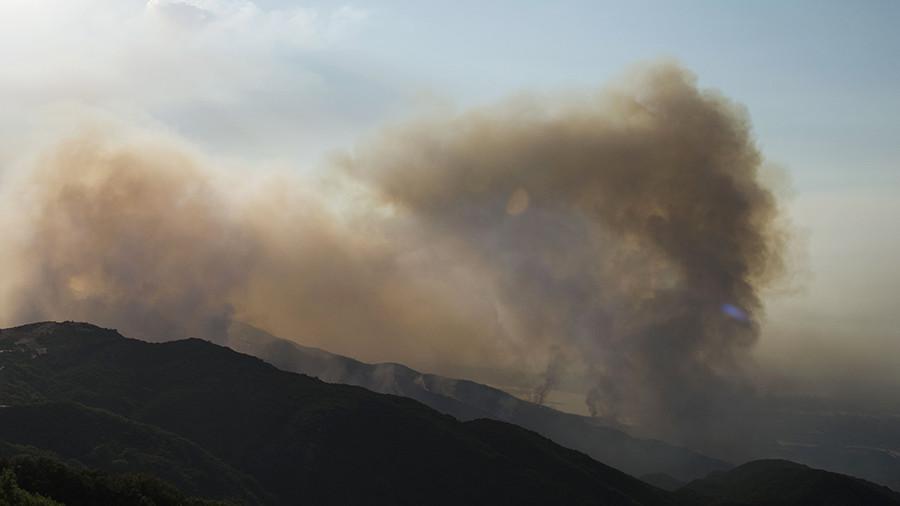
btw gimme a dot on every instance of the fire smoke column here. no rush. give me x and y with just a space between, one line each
628 228
623 233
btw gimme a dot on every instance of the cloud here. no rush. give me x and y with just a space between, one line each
244 22
272 79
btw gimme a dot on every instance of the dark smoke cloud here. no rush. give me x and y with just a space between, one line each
627 230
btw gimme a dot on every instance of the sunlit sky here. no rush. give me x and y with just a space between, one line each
819 78
291 81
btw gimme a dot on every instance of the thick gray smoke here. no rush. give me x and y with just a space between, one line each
626 229
630 228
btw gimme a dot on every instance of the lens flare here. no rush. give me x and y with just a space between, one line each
735 312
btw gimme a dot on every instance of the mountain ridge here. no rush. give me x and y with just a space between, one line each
305 440
776 482
465 400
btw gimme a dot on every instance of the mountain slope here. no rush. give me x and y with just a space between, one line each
101 440
783 483
866 445
304 440
467 400
30 481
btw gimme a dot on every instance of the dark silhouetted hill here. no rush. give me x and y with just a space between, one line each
784 483
41 481
101 440
303 440
467 400
860 445
663 481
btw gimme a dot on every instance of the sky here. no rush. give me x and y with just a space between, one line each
817 77
290 83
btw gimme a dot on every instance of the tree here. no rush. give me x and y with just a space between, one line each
12 495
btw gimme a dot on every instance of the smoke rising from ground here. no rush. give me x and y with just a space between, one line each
639 238
624 232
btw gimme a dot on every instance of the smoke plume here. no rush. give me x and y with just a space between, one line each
627 229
